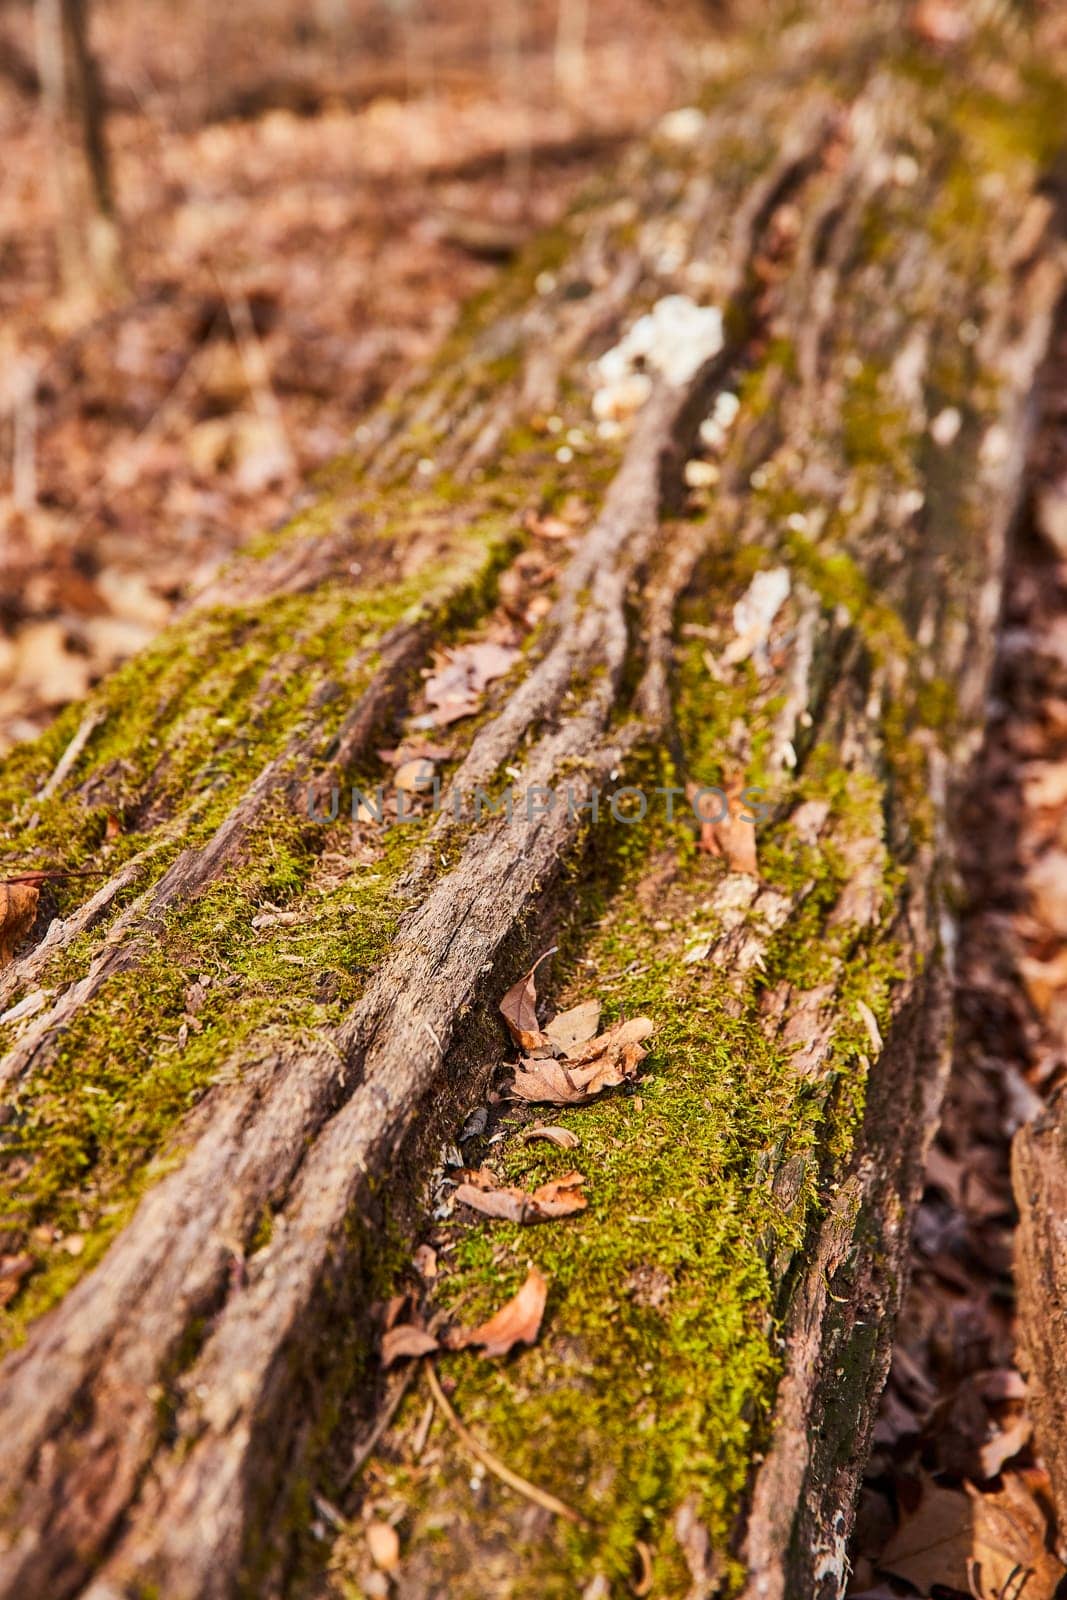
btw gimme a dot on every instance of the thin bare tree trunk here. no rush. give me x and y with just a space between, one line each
70 87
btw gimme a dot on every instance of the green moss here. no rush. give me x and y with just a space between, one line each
876 429
654 1379
93 1121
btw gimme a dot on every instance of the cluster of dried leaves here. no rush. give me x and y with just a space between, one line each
568 1063
18 911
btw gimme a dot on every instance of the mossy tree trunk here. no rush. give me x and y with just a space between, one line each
231 1061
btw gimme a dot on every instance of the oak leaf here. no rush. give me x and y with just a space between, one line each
455 689
980 1544
572 1028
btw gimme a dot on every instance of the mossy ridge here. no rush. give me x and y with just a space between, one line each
684 1186
167 715
688 1185
93 1123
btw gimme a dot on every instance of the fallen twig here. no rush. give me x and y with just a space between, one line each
491 1463
363 1451
86 728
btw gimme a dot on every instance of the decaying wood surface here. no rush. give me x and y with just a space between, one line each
879 266
1039 1178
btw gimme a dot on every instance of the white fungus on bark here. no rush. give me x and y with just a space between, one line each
672 341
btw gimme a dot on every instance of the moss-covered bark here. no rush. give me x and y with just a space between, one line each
230 1065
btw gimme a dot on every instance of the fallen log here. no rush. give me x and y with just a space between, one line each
715 485
1038 1179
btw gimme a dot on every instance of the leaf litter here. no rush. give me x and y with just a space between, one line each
573 1064
986 1545
560 1198
517 1322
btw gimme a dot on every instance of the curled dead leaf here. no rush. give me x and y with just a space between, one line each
723 829
406 1340
642 1584
604 1063
519 1008
18 908
1003 1447
621 1034
563 1138
561 1198
572 1028
517 1322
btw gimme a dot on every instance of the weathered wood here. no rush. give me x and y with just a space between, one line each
1039 1179
873 239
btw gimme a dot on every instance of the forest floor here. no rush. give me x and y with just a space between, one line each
303 210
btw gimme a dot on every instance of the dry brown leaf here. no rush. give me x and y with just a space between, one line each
383 1546
406 1340
547 1082
425 1261
560 1198
455 689
997 1384
604 1063
940 22
519 1008
559 1083
415 776
563 1138
999 1450
620 1034
550 528
18 908
574 1027
416 750
981 1544
643 1584
12 1271
518 1322
729 836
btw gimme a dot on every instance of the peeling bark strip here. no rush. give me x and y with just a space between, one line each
877 268
1039 1179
